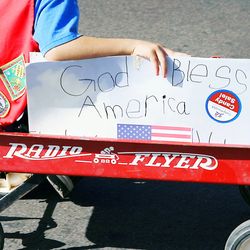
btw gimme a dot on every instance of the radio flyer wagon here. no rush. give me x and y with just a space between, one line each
186 162
77 85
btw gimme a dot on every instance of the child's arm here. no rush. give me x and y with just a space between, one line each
89 47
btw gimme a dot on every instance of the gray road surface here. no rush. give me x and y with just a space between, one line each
122 214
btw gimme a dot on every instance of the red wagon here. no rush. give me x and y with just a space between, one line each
185 162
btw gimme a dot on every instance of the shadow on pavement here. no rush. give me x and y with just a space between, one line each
37 239
160 215
145 215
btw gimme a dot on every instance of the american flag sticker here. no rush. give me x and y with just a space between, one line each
154 133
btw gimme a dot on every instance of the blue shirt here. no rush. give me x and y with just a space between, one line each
56 23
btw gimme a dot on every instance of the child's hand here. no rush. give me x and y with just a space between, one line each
91 47
156 53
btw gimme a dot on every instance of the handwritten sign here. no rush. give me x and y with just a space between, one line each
201 100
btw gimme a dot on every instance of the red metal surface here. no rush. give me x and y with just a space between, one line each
123 159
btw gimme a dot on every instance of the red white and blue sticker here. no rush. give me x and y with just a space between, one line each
223 106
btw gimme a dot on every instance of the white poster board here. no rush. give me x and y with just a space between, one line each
201 100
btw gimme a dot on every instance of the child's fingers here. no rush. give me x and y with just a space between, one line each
154 60
161 55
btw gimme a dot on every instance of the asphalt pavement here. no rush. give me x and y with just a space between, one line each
124 214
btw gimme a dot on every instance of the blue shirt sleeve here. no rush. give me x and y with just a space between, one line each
56 23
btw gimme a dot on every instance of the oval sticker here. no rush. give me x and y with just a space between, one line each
223 106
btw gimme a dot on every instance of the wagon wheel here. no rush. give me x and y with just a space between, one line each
239 239
1 237
245 193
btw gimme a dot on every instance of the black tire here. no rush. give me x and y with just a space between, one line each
239 239
1 237
245 193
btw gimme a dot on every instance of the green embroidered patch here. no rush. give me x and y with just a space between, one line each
14 78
